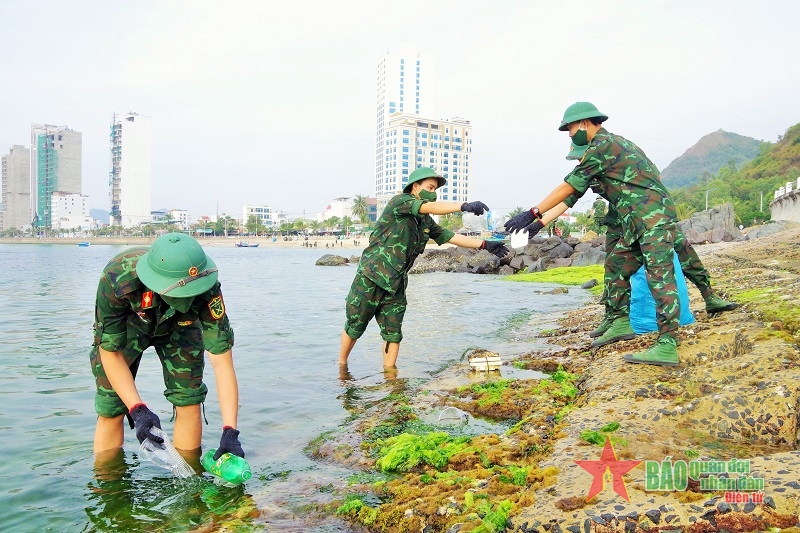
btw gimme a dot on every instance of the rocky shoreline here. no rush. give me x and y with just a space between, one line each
733 400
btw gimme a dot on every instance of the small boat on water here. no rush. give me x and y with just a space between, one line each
83 243
245 244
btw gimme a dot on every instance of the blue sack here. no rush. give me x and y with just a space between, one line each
643 306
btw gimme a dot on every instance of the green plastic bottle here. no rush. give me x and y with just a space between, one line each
231 468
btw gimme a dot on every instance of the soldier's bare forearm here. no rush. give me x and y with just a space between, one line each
227 387
558 195
120 377
440 208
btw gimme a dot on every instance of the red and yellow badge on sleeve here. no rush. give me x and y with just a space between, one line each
147 299
217 307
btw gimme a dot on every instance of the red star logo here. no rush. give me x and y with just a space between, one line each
608 463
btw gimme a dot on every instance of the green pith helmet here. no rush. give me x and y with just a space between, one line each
177 266
576 152
580 111
420 174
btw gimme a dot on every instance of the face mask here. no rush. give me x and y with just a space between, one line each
581 138
429 196
179 304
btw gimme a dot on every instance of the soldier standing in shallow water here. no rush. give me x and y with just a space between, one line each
167 297
400 235
623 175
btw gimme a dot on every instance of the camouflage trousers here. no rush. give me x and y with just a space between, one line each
692 267
182 361
366 300
654 249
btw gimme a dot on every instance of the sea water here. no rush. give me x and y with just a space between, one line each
287 315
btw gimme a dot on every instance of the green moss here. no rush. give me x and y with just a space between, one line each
490 392
494 519
565 276
599 437
769 302
404 452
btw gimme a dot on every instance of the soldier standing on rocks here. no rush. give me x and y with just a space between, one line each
400 235
612 298
167 297
622 174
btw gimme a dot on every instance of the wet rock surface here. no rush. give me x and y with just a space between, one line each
732 405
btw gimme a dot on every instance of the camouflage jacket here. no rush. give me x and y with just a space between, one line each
400 235
620 172
125 306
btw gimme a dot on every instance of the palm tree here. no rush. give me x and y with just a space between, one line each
360 208
346 223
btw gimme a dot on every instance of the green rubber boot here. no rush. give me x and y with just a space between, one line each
602 328
663 353
715 304
620 330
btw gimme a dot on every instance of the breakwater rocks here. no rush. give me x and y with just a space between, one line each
540 254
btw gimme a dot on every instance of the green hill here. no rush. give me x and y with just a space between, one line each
707 156
750 188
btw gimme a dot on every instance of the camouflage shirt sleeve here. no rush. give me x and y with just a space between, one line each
113 304
572 199
217 331
111 316
439 234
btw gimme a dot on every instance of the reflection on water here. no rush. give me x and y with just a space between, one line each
118 501
288 315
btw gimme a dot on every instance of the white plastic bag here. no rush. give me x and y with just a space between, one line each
165 455
519 239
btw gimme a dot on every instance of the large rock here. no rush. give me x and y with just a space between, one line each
331 260
770 228
590 256
714 225
483 263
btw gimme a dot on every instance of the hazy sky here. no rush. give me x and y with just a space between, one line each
273 103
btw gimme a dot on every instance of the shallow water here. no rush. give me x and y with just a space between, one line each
287 314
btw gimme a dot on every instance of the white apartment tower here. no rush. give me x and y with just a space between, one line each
444 145
406 84
56 153
16 189
130 177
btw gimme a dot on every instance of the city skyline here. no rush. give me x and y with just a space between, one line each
260 103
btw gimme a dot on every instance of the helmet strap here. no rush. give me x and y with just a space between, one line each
184 281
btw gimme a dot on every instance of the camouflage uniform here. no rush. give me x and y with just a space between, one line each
623 175
379 287
130 318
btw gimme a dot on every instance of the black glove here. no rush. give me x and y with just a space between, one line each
496 247
520 221
534 228
144 420
476 208
229 443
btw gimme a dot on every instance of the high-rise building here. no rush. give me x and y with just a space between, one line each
70 212
130 177
444 145
406 84
55 167
16 189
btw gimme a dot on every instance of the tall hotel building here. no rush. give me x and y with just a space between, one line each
16 189
55 167
131 170
407 137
